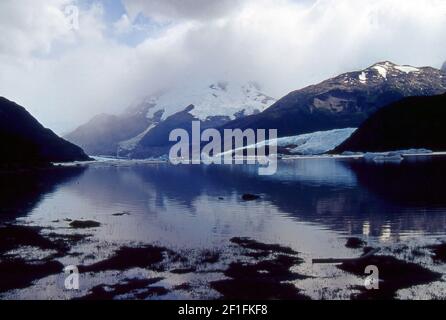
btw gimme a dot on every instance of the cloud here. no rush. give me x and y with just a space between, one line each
31 26
66 76
123 25
182 9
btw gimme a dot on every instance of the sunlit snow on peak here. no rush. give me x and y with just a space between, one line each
382 70
407 69
218 99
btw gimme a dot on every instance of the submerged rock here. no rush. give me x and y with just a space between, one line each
184 286
259 246
183 270
77 224
210 256
120 214
250 197
439 251
354 243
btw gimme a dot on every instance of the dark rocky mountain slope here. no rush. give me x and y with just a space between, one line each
24 141
415 122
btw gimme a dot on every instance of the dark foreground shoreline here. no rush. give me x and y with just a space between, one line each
256 271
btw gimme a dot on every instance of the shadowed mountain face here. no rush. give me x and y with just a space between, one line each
443 68
416 122
24 141
102 134
345 101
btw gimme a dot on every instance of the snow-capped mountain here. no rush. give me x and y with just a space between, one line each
346 100
143 129
220 99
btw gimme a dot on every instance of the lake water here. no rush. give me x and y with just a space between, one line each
311 205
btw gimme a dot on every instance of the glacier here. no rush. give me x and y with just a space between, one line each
315 143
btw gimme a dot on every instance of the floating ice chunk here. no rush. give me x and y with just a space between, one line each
411 151
394 156
388 158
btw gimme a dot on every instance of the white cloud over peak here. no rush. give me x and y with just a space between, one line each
66 76
183 9
28 26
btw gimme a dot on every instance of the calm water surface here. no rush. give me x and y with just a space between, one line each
198 205
311 205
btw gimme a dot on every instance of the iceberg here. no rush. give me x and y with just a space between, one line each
394 156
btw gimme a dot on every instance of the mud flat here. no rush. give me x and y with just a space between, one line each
242 269
394 274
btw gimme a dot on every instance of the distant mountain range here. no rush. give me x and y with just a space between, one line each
143 130
24 141
345 101
411 123
354 99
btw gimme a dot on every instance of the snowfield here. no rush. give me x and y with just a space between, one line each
385 69
382 70
219 99
407 69
363 77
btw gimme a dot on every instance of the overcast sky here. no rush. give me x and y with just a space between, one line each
124 50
